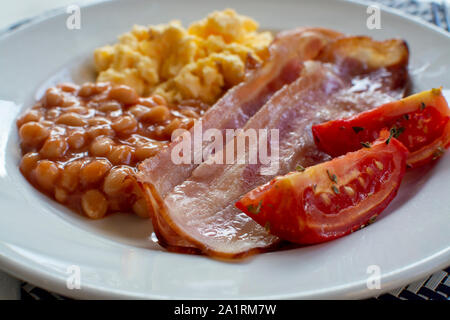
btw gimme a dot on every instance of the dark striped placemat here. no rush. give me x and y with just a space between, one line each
434 287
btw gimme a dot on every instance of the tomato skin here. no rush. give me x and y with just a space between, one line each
423 117
302 207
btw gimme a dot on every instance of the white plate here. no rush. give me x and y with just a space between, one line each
40 240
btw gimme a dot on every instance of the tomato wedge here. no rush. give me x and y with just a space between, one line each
421 122
331 199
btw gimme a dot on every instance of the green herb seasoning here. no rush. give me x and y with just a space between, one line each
389 139
267 226
438 153
335 189
394 132
372 220
366 144
332 176
299 168
357 129
422 106
254 210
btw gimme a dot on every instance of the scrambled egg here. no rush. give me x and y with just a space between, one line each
200 62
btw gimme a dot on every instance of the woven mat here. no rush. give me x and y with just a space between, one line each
433 287
413 7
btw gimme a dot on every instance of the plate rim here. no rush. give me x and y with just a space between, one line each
49 13
56 284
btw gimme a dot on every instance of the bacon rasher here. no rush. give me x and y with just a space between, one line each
287 53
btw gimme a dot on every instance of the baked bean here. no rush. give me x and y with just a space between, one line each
145 152
116 180
138 110
77 109
87 90
53 113
97 121
52 98
101 130
88 129
58 130
156 114
31 115
77 140
173 125
121 155
71 119
159 132
140 208
159 100
94 204
61 195
33 133
68 102
124 94
68 87
29 161
94 171
147 102
109 106
54 147
115 204
101 86
190 113
137 140
187 123
70 175
47 123
46 173
101 146
93 105
124 125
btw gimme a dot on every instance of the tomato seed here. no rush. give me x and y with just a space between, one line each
379 165
349 190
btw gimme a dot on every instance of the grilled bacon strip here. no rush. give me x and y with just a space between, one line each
239 104
159 175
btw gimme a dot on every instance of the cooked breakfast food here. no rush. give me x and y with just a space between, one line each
201 208
329 200
421 122
287 53
200 62
332 102
337 197
81 144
